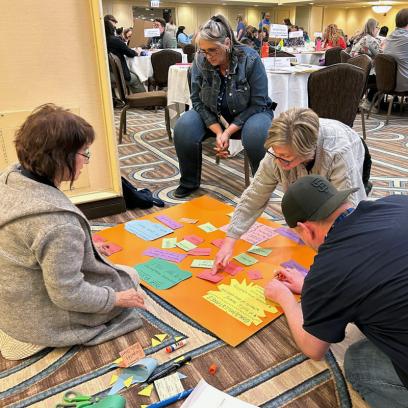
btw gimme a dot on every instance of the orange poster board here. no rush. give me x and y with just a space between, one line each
187 296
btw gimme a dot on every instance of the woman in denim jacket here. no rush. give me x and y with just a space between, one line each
229 91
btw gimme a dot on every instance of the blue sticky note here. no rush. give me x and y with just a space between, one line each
147 230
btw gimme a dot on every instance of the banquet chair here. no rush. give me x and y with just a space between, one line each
386 77
344 56
332 56
189 50
161 61
137 100
364 62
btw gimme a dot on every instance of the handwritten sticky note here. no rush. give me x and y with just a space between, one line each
202 263
97 238
169 243
163 254
194 239
259 250
188 220
259 233
185 245
169 222
161 274
111 248
246 259
233 268
131 354
200 252
286 232
254 275
147 391
218 242
207 275
168 386
293 264
207 227
147 230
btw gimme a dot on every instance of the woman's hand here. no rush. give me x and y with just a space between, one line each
129 298
223 255
222 144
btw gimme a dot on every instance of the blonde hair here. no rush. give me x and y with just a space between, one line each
298 128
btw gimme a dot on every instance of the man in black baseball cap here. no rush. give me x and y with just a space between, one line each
359 275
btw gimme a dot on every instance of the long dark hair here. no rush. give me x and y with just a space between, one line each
179 31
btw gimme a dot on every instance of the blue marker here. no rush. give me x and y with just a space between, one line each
170 400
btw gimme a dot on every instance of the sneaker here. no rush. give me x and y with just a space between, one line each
181 191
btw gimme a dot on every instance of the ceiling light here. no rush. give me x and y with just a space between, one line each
381 9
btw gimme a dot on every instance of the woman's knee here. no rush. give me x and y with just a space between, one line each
188 125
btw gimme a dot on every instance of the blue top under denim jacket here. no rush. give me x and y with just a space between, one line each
246 92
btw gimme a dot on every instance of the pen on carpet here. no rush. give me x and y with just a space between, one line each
170 400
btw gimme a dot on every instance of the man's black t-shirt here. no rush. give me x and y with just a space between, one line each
360 275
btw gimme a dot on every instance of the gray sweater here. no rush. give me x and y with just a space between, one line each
339 158
55 288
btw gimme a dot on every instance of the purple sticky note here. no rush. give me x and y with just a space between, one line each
295 265
169 222
163 254
286 232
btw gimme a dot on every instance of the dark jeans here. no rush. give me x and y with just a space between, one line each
373 375
190 131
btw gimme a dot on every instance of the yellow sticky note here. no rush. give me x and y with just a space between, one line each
146 392
127 383
161 337
155 342
118 361
113 379
143 406
177 338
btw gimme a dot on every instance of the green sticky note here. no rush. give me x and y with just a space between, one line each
186 245
202 263
207 227
259 250
246 259
169 242
161 274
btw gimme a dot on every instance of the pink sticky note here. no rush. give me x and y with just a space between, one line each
233 268
259 233
111 248
218 242
194 239
254 275
97 238
200 251
207 275
169 222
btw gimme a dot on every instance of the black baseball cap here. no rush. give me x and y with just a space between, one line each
312 198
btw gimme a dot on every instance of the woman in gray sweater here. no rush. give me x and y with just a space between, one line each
56 290
298 144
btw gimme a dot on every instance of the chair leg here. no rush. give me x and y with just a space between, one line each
122 123
389 110
373 103
167 121
125 123
217 160
402 104
363 123
246 169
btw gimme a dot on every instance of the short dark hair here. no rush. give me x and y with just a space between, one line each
383 31
162 21
49 139
401 19
109 17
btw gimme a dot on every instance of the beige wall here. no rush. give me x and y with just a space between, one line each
61 62
332 15
121 9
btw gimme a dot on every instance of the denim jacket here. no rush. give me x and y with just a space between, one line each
246 92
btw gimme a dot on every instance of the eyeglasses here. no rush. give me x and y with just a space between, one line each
283 161
211 51
86 154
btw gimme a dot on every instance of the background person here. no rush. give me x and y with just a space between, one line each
332 37
56 290
367 43
241 27
165 40
298 144
360 276
182 37
265 22
229 95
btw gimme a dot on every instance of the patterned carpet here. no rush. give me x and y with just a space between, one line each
266 370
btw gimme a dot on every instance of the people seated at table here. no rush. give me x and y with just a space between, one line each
182 37
117 46
359 275
241 27
383 32
127 33
367 42
332 37
56 290
295 41
396 44
229 93
165 40
298 143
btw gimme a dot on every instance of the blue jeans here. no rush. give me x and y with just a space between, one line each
190 131
373 375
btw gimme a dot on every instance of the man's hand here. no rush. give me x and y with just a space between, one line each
292 278
277 291
223 255
129 298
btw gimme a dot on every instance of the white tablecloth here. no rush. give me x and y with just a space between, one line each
142 66
311 58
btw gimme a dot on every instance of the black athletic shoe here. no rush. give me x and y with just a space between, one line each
181 191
